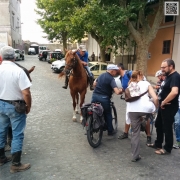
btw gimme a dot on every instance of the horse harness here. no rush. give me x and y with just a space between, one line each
68 71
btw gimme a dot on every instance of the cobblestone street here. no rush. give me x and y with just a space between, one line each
57 148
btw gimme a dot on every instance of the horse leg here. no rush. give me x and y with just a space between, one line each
82 98
74 106
77 103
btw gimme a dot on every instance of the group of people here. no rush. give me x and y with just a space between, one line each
15 89
165 101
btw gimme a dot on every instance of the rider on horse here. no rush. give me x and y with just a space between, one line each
83 56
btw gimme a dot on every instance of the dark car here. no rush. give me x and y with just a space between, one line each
43 55
53 56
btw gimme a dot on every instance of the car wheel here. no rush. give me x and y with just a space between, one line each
61 69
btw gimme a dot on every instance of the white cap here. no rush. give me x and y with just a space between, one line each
158 73
112 67
82 48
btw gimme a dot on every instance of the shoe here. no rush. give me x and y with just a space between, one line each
137 159
65 87
153 146
111 133
5 160
123 136
176 146
16 163
91 88
148 140
162 152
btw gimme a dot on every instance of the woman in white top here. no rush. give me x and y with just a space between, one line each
136 109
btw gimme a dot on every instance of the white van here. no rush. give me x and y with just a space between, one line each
31 51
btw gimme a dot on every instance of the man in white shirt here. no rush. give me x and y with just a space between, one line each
14 89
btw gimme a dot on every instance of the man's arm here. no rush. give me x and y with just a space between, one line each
27 98
117 91
171 96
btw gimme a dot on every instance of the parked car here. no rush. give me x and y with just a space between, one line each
19 55
97 68
58 66
31 51
53 56
43 55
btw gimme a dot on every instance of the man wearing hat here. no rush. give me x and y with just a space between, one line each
105 85
14 89
83 55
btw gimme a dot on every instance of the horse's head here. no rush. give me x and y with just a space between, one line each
71 61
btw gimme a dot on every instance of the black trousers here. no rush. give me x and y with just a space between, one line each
164 127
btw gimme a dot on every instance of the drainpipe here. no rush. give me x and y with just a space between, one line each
173 36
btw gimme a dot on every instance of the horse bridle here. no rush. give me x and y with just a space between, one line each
70 66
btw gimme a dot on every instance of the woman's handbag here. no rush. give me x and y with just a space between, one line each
129 98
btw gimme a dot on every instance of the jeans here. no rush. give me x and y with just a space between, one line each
164 126
8 116
105 102
88 71
177 125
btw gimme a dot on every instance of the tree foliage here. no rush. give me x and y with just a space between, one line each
109 22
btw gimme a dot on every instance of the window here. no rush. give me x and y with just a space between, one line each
13 21
103 67
166 47
169 18
95 68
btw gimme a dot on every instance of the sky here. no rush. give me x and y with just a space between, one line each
30 29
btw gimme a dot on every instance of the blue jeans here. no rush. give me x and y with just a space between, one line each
88 71
105 102
8 116
177 125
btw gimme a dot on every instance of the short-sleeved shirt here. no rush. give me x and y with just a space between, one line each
83 58
172 80
105 85
125 79
13 80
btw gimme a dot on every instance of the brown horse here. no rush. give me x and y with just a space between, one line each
77 81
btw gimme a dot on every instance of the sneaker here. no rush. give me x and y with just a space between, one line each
176 146
123 136
148 140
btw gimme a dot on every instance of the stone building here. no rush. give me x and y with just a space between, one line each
10 22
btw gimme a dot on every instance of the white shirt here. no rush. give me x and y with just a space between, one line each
143 104
13 80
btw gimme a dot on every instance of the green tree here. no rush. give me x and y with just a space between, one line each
55 18
137 15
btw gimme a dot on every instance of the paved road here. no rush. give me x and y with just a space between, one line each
57 148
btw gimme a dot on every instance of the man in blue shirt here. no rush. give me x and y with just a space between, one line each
105 85
83 56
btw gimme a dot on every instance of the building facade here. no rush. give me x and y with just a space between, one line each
10 21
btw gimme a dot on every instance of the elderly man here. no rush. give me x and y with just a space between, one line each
83 56
14 91
105 85
168 100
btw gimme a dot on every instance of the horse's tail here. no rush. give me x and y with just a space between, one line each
61 74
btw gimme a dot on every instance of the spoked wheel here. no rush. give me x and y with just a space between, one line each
152 121
94 136
114 117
